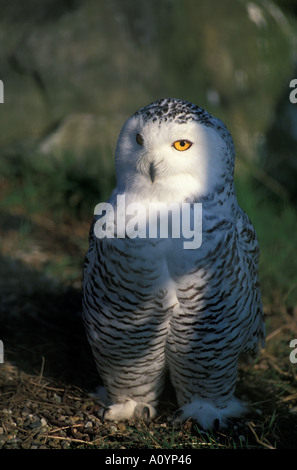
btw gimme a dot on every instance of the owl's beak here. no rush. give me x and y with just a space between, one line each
152 171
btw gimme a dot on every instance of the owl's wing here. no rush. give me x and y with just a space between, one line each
249 244
90 253
91 256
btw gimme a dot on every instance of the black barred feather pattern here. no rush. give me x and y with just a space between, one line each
149 305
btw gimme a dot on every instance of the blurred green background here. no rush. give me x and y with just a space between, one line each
74 71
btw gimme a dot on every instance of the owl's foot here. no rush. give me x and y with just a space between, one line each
128 410
208 415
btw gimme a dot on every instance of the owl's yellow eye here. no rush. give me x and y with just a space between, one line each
182 145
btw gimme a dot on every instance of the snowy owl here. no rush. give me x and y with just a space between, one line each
154 304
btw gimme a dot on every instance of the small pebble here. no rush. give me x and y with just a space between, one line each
35 424
122 427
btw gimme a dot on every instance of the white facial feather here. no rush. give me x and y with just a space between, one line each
178 175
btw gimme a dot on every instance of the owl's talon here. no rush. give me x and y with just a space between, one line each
177 417
146 415
105 410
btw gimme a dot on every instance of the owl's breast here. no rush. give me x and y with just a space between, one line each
132 279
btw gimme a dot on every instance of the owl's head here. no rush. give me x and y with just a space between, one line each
172 150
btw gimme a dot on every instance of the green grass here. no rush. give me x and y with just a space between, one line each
62 187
